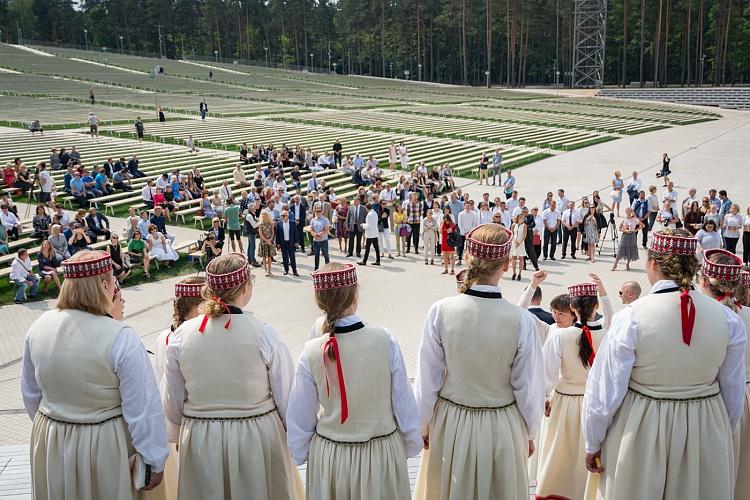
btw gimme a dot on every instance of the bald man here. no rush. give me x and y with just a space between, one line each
629 292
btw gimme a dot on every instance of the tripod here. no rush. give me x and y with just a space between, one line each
34 183
614 236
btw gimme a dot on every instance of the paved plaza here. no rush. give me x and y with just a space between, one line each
398 294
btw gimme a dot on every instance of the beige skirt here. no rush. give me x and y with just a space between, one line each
80 461
474 454
562 472
659 448
236 458
742 452
372 470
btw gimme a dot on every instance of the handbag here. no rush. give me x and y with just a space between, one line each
452 239
508 191
536 239
404 230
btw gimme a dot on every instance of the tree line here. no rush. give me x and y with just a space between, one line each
520 42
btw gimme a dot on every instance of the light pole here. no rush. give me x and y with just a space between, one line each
266 49
406 74
216 55
557 79
419 72
703 59
312 62
329 58
391 66
334 67
487 75
161 41
20 35
122 47
104 49
85 37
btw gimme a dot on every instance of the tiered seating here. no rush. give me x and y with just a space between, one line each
723 97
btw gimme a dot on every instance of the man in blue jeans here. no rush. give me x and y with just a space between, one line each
319 226
21 274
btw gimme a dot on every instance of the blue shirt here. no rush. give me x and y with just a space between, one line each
456 207
640 207
358 162
66 181
76 185
319 224
100 180
725 206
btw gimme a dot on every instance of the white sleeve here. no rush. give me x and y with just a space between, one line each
32 394
607 311
431 368
525 300
552 354
526 375
403 403
608 379
175 393
280 367
141 402
303 412
732 370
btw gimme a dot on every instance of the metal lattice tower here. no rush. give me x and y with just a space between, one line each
590 26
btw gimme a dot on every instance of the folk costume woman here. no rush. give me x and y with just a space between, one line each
358 446
667 387
88 385
479 383
568 356
228 376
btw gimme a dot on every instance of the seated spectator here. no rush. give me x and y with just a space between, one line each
48 264
143 224
79 240
98 224
133 165
68 178
11 223
137 252
121 181
218 204
101 183
78 190
64 218
238 175
209 250
74 156
160 222
120 268
160 247
4 248
59 243
162 181
64 158
54 160
5 199
9 175
23 179
206 209
121 164
170 203
23 276
90 184
36 126
41 223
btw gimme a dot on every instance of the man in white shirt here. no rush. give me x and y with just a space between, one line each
670 193
505 217
468 219
509 185
520 204
370 227
22 275
45 184
147 194
633 186
551 219
570 220
687 202
225 191
313 184
10 221
162 182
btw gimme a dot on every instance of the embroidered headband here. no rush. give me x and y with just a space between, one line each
672 244
100 264
724 272
583 290
183 289
340 278
745 278
228 280
488 251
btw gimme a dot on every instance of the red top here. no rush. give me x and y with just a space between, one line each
446 228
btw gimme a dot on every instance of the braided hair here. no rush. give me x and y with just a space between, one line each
584 309
476 268
722 290
183 306
679 268
334 302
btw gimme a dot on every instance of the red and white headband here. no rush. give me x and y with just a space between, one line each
227 280
99 264
340 278
723 272
745 278
183 289
583 290
488 251
672 244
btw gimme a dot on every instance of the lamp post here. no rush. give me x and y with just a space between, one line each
266 49
329 60
85 37
122 47
419 72
487 75
312 62
700 80
391 66
216 56
334 67
104 49
406 74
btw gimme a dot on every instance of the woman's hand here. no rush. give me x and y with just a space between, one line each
532 448
547 408
156 478
538 278
426 441
593 462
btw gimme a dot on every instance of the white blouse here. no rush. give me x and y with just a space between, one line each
608 379
526 378
273 351
552 353
141 404
304 405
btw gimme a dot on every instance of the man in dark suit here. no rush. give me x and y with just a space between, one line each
535 307
529 241
286 239
354 220
298 215
109 167
121 164
98 224
133 165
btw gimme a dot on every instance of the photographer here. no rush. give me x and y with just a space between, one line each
210 249
45 183
80 240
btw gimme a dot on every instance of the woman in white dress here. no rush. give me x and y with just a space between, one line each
392 151
159 247
518 245
567 358
88 385
358 446
479 383
403 153
228 378
742 435
667 387
185 306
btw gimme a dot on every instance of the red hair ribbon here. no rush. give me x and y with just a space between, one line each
202 328
587 332
730 295
167 339
333 343
687 308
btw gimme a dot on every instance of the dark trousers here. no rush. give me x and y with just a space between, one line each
731 244
746 247
531 253
644 231
550 240
460 245
12 233
301 235
372 242
337 159
318 248
82 198
287 256
413 237
101 232
572 235
354 237
651 220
